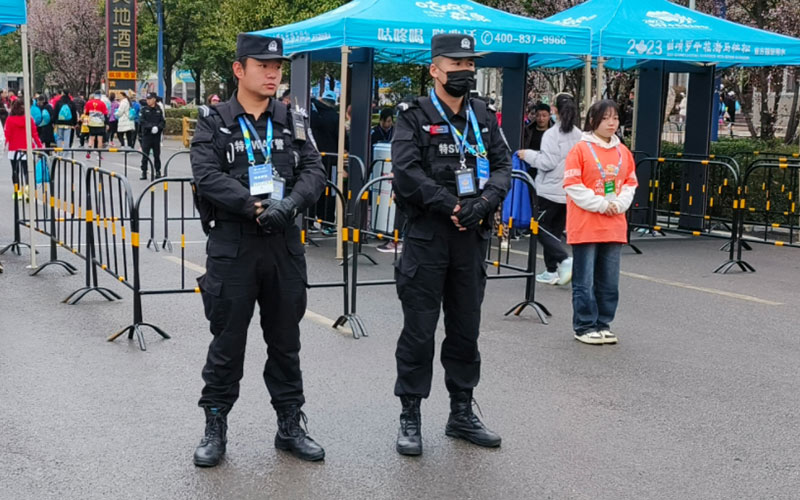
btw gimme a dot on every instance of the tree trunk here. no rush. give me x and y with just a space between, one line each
791 127
167 84
747 104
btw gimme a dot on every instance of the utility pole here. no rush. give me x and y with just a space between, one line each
160 14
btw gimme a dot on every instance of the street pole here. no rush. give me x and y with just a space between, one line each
27 95
587 84
160 9
340 156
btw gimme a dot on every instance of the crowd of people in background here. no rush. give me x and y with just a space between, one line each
112 120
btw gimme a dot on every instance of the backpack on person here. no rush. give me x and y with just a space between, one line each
64 114
45 118
133 114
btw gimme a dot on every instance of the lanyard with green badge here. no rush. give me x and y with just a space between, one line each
608 186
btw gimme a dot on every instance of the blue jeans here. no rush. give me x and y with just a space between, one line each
595 285
63 135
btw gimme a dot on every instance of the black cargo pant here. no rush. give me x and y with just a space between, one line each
151 143
246 266
440 267
553 218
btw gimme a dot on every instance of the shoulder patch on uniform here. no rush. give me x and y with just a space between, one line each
403 106
492 108
204 111
225 130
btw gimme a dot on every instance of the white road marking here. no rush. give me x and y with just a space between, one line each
686 286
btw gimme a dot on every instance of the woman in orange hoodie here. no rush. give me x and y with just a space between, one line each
600 181
15 139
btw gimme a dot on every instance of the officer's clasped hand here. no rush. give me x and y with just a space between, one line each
472 212
154 130
278 214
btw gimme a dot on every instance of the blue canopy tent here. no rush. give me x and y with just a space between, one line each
401 31
13 15
659 37
628 33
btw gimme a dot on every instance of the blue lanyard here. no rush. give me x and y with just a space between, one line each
600 165
247 128
459 137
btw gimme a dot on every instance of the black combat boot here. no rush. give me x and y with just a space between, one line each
465 425
409 437
292 437
212 446
143 177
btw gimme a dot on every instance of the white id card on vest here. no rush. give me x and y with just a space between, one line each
260 179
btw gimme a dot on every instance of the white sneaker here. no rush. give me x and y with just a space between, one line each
547 277
565 271
594 338
608 336
504 245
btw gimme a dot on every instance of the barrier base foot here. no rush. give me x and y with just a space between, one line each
635 249
167 245
361 254
540 310
77 295
136 329
66 265
728 265
15 247
152 242
356 325
745 245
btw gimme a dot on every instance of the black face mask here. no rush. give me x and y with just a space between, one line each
459 82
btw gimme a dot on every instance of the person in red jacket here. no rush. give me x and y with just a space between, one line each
14 130
98 112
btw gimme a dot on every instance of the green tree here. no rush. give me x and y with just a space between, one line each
10 53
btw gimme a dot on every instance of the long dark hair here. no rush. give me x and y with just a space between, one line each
567 113
597 112
17 107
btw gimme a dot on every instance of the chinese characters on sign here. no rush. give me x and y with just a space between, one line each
121 44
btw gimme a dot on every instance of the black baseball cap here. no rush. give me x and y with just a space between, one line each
454 46
263 48
152 95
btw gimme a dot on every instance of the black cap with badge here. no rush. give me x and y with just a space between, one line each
259 47
454 46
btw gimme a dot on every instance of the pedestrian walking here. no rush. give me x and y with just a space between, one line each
16 140
137 110
600 181
97 111
126 127
551 199
112 118
66 119
539 116
256 167
44 126
152 124
452 168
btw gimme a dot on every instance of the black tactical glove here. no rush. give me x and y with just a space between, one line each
278 214
473 211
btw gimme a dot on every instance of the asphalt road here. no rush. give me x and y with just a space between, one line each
699 399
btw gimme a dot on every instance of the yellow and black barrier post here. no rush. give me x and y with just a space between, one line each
19 176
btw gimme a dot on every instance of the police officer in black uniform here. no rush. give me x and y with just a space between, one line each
152 122
255 167
452 169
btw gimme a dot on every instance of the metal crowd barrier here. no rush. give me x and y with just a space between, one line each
358 228
715 213
770 189
92 154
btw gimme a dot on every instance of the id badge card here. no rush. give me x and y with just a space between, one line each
278 188
483 170
465 182
260 177
610 191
